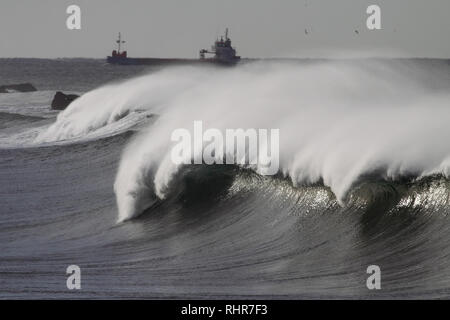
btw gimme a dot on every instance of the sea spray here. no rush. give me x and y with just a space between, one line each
108 104
338 121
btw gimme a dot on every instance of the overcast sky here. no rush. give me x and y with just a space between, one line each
258 28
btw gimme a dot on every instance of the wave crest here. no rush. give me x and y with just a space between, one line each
338 121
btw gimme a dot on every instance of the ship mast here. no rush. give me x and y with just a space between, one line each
119 42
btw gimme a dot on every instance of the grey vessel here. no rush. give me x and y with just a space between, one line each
222 50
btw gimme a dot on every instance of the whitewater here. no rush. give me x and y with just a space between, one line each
338 122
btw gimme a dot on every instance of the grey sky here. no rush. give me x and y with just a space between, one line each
259 28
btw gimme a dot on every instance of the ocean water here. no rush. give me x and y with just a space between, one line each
364 180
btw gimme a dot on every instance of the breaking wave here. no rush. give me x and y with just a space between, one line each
342 125
203 184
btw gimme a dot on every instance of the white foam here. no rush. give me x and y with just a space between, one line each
337 121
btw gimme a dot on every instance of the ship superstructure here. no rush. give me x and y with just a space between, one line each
222 50
117 56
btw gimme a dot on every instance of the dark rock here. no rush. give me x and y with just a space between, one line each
21 87
61 100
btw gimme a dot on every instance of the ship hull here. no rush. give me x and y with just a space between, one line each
165 61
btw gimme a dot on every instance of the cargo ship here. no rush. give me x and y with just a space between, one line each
221 53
